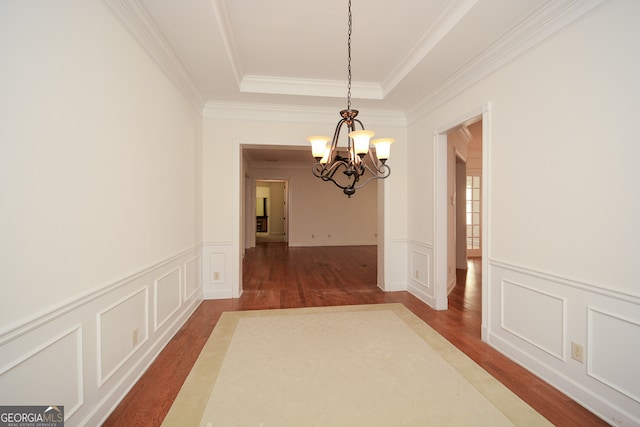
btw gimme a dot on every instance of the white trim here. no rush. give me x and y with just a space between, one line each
237 245
611 402
157 325
77 329
308 87
561 355
485 207
590 340
440 224
115 394
446 19
134 17
38 319
223 20
584 286
440 150
296 113
198 275
554 17
104 378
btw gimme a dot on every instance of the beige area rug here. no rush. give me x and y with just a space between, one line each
371 365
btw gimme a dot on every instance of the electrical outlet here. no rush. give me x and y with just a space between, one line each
577 352
417 274
134 337
216 275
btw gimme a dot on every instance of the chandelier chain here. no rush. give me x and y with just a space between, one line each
349 61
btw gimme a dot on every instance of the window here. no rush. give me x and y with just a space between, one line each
473 213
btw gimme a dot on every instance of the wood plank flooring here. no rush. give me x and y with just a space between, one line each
276 276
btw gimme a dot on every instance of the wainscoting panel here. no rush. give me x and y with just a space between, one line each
192 273
419 268
536 319
534 316
216 271
88 353
168 295
421 272
122 329
613 357
52 382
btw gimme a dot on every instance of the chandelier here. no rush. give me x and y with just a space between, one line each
358 162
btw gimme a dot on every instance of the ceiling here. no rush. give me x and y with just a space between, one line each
405 53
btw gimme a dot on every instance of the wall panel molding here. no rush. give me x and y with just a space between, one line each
66 349
115 325
93 343
421 277
167 296
192 275
420 268
564 281
534 317
12 331
609 360
217 270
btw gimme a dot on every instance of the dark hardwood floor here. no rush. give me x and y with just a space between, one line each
276 276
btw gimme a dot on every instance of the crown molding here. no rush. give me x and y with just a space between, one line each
295 113
311 87
550 20
221 12
443 22
135 19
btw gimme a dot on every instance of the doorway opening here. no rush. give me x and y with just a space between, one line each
307 222
271 211
464 145
461 204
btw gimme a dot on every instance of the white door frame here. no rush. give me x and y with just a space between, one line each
441 203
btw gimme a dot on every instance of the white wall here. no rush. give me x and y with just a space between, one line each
562 236
99 226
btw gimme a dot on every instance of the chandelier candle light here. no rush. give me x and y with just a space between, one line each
358 159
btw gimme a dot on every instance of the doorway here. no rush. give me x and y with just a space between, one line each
449 162
271 211
463 209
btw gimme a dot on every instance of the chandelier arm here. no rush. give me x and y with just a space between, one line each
337 184
329 177
384 169
331 171
327 171
378 169
360 123
333 150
